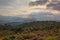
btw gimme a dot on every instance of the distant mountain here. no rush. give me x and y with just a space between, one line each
13 20
19 20
9 19
15 23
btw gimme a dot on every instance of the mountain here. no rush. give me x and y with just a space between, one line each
36 16
10 19
13 20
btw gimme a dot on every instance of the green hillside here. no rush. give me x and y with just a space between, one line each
40 30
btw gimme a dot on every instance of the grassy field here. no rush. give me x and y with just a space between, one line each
44 30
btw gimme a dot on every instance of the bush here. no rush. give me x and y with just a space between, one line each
5 39
12 37
51 38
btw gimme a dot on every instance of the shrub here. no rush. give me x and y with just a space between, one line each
51 38
5 39
12 37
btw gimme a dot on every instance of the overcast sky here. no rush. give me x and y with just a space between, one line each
40 9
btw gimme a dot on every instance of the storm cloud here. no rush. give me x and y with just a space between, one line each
41 16
38 2
55 5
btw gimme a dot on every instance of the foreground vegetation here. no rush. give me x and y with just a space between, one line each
44 30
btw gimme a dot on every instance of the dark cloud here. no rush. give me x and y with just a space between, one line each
56 0
54 5
41 16
38 2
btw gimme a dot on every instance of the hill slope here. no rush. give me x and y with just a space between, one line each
43 30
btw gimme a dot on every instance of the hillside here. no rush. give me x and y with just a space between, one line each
39 30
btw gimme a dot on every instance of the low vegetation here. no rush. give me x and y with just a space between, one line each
44 30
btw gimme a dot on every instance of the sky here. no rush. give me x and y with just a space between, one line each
40 10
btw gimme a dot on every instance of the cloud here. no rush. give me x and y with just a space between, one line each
56 0
16 10
41 16
55 5
6 2
13 3
35 16
13 7
8 12
32 0
6 19
38 2
57 17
